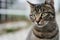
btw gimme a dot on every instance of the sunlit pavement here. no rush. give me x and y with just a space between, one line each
19 35
22 34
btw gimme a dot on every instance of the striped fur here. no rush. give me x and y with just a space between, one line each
43 16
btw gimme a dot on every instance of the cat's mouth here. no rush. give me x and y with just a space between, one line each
39 24
42 23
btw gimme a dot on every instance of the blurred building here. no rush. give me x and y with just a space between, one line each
8 8
4 4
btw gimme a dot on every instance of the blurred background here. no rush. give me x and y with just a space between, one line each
14 18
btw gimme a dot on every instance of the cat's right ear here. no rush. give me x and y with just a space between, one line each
49 1
31 4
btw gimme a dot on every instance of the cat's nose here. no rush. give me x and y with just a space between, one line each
37 20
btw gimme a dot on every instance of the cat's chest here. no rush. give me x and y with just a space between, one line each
33 37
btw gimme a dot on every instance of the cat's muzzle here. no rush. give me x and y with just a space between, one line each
41 23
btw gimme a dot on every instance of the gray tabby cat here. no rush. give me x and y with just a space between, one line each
45 26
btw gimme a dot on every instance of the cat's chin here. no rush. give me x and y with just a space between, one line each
40 25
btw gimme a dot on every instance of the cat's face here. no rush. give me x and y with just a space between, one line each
42 14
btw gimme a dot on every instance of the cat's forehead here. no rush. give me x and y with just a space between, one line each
38 5
42 5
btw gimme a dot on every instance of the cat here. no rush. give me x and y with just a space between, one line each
45 25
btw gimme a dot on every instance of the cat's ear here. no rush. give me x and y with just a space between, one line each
31 4
50 2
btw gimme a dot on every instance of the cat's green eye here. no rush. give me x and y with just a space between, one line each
44 15
32 16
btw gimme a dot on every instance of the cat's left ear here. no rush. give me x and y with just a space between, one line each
31 4
50 2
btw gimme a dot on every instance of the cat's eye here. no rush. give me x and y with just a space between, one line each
44 15
32 16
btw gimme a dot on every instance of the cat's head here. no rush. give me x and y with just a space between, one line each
41 14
